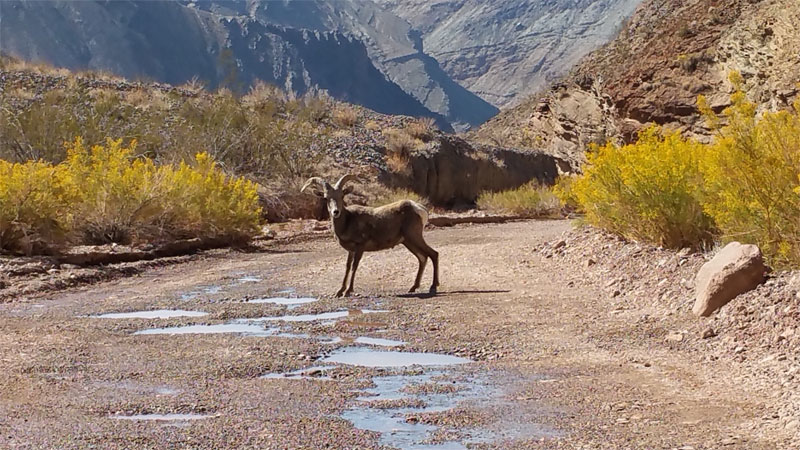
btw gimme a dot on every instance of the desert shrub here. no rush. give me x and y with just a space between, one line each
564 189
264 135
649 190
752 179
112 196
32 212
384 196
421 129
399 146
107 194
530 200
372 125
40 130
345 117
200 200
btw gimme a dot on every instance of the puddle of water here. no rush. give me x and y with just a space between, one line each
391 423
309 373
155 314
212 289
240 328
380 342
248 279
243 328
289 302
189 295
163 417
356 356
314 317
434 391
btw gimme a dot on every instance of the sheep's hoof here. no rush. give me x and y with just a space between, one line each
347 294
340 293
432 290
412 289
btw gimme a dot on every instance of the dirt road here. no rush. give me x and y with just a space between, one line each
551 366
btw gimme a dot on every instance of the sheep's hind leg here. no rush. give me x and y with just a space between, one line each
434 255
356 260
346 273
423 259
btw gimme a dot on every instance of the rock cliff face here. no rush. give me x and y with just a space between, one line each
453 172
670 52
504 50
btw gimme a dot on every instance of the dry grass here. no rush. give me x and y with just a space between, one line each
13 64
345 117
530 200
421 129
372 125
399 146
195 85
382 195
144 99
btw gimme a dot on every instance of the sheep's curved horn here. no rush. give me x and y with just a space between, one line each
314 181
340 184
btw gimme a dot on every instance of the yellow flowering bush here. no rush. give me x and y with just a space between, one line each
203 201
113 197
31 210
744 185
752 177
107 194
647 190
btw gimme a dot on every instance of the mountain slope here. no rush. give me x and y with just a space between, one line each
667 55
391 43
505 50
172 42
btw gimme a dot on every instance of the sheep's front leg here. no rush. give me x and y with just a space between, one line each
356 260
346 273
423 260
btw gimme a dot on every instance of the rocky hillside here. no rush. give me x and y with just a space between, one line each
265 136
173 42
505 50
670 52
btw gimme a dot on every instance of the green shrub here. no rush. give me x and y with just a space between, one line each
530 200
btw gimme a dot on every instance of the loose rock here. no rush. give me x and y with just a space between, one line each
734 270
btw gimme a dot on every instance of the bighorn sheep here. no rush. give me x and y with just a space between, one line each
360 229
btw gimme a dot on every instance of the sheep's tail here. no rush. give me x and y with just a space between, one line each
421 212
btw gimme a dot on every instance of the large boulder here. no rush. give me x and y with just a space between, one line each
733 271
